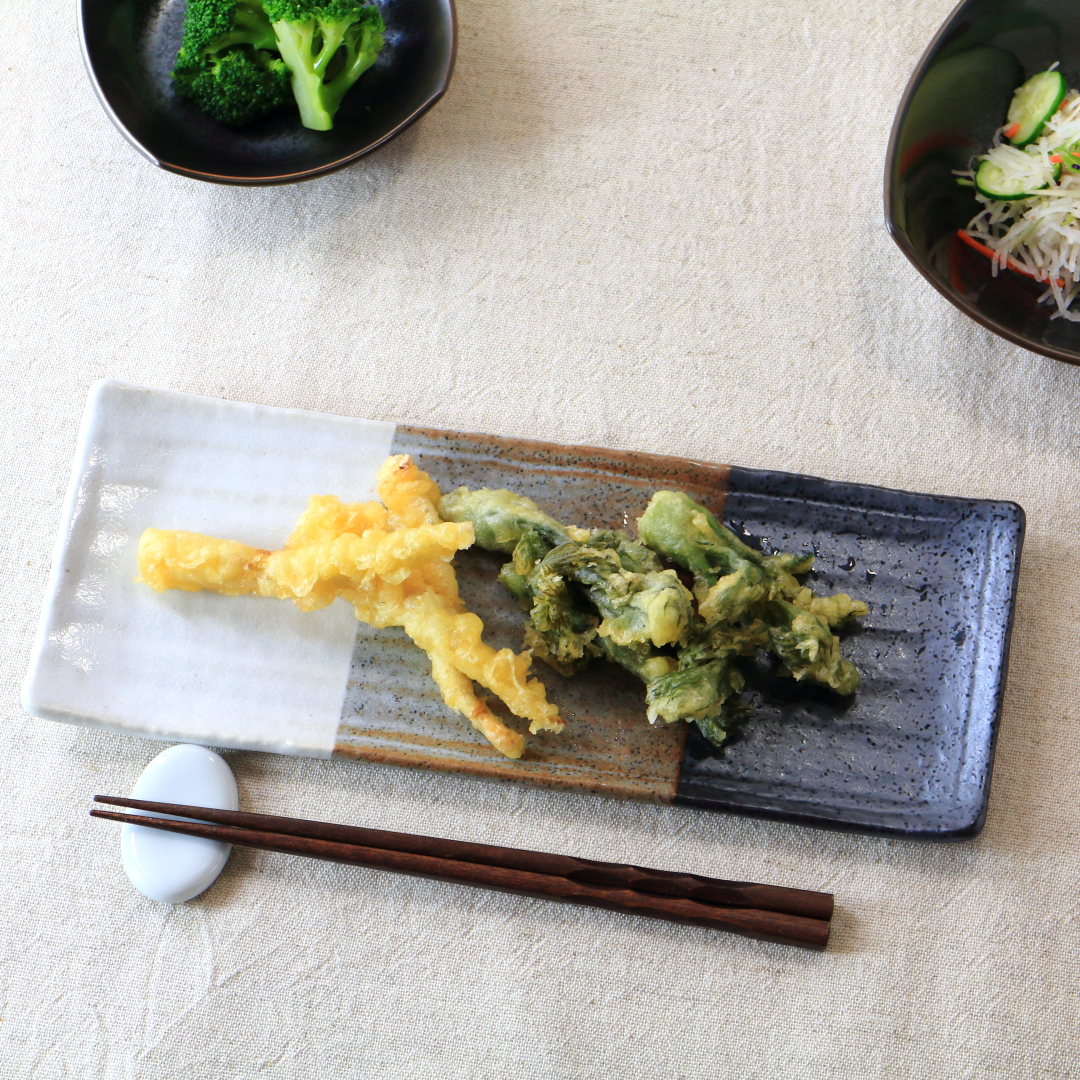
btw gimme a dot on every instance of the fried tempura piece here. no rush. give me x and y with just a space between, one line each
327 516
457 691
412 498
410 495
438 630
438 623
315 572
393 556
172 559
392 563
381 604
599 593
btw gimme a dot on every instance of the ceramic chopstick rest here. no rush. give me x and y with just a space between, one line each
171 867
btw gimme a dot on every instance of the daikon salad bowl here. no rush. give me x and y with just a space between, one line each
956 99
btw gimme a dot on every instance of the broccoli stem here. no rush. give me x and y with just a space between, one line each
295 45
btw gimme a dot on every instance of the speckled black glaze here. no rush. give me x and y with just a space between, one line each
911 752
130 48
955 100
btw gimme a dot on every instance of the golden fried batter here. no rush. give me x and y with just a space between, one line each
392 562
191 561
327 516
411 497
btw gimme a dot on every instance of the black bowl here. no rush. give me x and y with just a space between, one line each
954 102
130 48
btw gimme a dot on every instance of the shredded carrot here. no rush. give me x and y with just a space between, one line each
982 249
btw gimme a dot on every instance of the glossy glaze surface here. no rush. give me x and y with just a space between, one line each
909 754
170 867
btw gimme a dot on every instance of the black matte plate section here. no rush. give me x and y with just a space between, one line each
911 752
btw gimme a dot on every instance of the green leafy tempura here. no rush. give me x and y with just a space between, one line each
590 593
600 593
739 588
639 602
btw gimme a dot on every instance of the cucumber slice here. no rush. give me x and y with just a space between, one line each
1007 173
1034 103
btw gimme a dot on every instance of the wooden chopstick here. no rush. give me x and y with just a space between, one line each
773 913
814 905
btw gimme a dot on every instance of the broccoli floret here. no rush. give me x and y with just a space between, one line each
228 64
327 45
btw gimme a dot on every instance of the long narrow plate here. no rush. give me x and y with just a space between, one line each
910 754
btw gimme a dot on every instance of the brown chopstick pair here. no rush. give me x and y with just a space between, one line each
768 912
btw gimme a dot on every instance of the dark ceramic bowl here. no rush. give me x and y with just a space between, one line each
130 48
956 99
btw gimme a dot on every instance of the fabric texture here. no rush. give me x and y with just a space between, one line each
596 237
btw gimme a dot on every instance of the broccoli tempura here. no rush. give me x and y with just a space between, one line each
809 649
639 601
501 518
730 576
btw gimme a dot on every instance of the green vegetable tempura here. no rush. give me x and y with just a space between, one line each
601 594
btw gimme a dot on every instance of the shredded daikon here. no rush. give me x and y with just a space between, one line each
1040 233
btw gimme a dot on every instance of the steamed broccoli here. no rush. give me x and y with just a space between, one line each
228 64
327 45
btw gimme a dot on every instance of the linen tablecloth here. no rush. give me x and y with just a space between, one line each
647 227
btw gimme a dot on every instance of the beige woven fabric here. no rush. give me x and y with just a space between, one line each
640 226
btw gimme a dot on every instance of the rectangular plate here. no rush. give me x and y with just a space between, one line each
910 754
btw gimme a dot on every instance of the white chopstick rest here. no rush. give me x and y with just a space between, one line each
168 866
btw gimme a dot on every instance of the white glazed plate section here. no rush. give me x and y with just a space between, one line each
240 672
